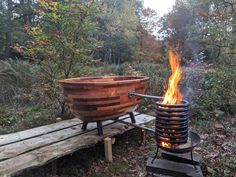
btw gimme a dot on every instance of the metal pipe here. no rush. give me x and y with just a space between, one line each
184 103
132 93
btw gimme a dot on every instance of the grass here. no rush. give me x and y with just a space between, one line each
16 117
232 165
16 77
200 122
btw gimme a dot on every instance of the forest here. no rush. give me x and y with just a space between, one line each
43 41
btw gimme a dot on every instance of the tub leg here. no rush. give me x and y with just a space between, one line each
84 126
99 127
131 114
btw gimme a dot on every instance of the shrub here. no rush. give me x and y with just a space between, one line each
16 77
218 95
158 73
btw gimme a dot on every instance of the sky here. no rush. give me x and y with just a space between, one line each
161 6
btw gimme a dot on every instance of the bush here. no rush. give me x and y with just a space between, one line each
218 95
16 77
158 73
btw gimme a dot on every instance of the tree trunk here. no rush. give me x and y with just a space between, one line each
105 57
8 45
119 58
8 34
114 57
110 60
63 106
26 20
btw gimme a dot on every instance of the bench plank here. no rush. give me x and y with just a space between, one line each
43 154
15 137
14 149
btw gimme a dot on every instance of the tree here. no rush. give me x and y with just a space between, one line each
151 48
119 22
62 40
198 27
14 16
6 18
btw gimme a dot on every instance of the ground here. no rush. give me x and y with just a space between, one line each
218 150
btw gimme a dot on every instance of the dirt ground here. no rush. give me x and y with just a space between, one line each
217 148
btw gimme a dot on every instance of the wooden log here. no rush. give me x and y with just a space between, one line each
108 149
19 136
39 155
12 150
19 147
45 154
144 135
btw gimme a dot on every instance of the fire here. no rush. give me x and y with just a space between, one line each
166 145
173 94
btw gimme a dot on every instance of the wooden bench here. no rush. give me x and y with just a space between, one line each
37 146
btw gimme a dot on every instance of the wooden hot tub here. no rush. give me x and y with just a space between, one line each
94 99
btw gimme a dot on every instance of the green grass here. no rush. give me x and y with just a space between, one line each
16 117
16 77
232 165
119 168
200 122
98 175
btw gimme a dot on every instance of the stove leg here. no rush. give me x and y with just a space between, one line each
99 127
193 161
155 156
84 126
131 114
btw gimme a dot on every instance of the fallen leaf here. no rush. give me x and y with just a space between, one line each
204 136
219 126
212 155
210 170
124 159
220 136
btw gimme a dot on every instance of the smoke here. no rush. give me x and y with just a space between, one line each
193 66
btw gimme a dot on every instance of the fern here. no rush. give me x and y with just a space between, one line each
15 76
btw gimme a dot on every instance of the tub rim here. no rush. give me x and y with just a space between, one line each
81 82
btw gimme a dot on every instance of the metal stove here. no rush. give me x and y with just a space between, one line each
175 142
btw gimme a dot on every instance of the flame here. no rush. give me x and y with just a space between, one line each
166 145
173 94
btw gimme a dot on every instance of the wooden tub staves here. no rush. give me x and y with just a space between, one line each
94 99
